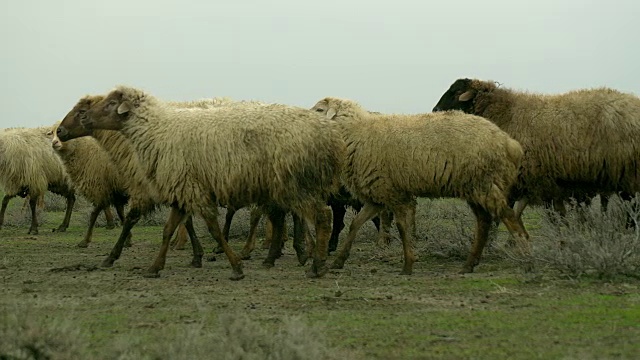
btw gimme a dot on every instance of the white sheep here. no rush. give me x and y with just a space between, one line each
392 159
94 176
143 197
279 157
29 167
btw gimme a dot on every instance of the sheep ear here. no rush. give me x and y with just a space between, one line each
331 113
467 95
125 107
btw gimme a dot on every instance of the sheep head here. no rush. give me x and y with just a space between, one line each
334 108
462 95
71 127
111 112
56 143
323 107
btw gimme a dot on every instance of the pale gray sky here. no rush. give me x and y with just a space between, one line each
391 56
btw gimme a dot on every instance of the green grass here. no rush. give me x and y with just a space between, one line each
364 311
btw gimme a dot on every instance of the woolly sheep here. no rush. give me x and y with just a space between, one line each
143 201
94 176
392 159
29 167
279 157
143 197
581 141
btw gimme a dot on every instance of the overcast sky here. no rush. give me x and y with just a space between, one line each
391 56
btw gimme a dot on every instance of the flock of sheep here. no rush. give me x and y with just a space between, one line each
489 145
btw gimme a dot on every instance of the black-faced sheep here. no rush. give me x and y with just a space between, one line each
278 157
582 141
29 167
94 176
392 159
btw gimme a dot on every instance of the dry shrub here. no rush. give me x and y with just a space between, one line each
448 226
23 337
18 214
588 241
237 337
54 202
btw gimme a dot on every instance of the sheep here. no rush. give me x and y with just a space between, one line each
582 141
119 148
392 159
143 198
29 167
94 175
278 157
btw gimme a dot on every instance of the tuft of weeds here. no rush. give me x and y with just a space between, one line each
24 337
589 242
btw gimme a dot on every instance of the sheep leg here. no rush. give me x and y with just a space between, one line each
405 222
268 234
33 201
121 216
367 213
276 216
176 217
130 221
231 212
92 222
71 200
181 238
519 206
517 230
384 237
250 244
198 251
108 215
339 212
299 238
322 223
5 203
211 219
483 223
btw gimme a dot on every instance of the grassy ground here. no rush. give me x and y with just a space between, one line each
56 300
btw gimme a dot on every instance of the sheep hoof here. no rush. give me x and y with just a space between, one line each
60 229
314 273
302 259
406 272
108 262
318 269
466 270
110 226
83 244
245 256
268 264
337 264
196 263
211 258
218 250
236 276
33 232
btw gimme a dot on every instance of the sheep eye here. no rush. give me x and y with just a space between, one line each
319 110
